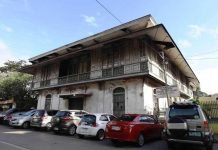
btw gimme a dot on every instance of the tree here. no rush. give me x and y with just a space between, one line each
13 85
11 66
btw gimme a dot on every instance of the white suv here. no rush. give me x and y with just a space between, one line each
94 125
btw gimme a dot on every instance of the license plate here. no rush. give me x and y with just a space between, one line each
56 129
198 134
115 128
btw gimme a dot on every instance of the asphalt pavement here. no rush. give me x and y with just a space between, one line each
20 139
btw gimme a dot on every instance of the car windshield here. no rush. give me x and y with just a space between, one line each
52 112
127 118
10 111
62 113
39 113
28 113
89 119
186 112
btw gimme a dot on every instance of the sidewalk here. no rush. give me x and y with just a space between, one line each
216 138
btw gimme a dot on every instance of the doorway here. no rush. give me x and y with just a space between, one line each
119 101
75 103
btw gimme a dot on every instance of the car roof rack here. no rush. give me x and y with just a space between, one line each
186 102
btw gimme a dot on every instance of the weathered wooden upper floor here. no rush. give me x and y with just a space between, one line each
121 59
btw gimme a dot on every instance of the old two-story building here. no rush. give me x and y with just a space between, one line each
114 71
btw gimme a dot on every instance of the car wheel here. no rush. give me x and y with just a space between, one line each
140 140
72 130
25 125
100 135
80 136
48 126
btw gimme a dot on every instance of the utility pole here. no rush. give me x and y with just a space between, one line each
165 76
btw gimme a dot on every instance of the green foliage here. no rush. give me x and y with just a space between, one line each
195 101
214 126
14 85
11 66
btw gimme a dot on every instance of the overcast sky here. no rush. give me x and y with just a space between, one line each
31 27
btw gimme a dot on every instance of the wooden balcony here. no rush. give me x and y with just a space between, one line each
118 72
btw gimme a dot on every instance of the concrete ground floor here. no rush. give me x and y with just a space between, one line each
133 95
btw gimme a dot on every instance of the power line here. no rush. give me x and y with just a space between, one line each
116 18
205 53
202 58
205 58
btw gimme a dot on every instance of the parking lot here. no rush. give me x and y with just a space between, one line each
20 139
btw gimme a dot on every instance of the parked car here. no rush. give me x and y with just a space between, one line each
42 119
94 125
22 120
2 115
187 123
133 128
66 121
13 111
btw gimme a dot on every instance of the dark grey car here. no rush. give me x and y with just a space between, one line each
66 121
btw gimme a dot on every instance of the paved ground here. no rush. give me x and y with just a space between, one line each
19 139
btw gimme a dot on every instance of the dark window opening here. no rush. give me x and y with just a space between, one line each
45 72
76 65
76 104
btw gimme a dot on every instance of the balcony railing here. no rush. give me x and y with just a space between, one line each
139 68
128 70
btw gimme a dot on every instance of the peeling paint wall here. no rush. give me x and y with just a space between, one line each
101 99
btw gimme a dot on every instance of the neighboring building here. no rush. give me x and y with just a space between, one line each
213 97
6 104
114 71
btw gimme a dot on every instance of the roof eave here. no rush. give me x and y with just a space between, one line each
106 32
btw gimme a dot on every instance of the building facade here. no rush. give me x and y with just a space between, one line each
204 98
114 71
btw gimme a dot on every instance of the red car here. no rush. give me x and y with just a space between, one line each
133 128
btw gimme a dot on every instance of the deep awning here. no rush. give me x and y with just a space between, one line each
74 95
